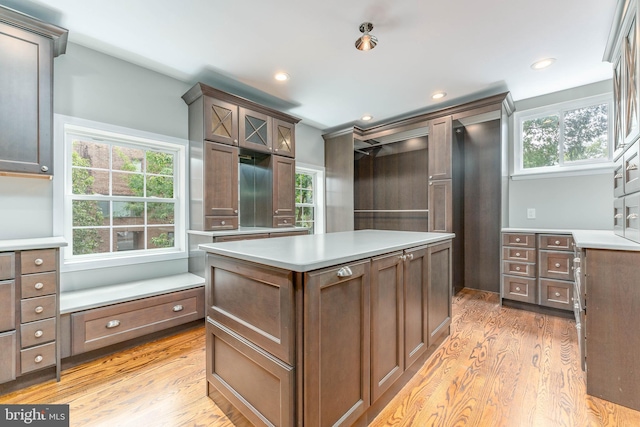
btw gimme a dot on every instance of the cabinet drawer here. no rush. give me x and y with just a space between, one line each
519 254
7 266
100 327
35 285
39 308
557 294
289 233
7 305
631 171
241 237
519 269
556 265
519 288
631 217
39 357
519 240
38 261
557 242
220 222
283 221
36 333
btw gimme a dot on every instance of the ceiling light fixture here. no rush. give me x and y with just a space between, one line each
367 117
543 63
282 77
438 95
366 41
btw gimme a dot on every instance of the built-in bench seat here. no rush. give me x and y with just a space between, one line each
97 318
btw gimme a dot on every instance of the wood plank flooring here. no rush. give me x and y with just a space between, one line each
500 367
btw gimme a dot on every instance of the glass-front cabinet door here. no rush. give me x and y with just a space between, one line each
284 139
255 131
220 121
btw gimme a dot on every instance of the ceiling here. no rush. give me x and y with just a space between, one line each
466 48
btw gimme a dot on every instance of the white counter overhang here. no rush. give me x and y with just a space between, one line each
315 251
34 243
586 239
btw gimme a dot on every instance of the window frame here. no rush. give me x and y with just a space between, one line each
64 127
318 192
579 167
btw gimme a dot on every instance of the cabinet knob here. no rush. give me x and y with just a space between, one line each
38 333
38 285
632 216
409 257
285 221
518 289
517 240
39 309
276 150
44 168
557 242
345 272
632 167
223 222
557 294
517 268
235 211
557 265
517 253
235 141
178 307
276 211
38 261
112 324
430 176
38 359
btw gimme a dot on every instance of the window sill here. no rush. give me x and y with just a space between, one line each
604 168
91 263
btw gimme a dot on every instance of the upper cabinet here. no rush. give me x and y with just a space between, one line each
220 121
284 138
27 49
440 146
255 131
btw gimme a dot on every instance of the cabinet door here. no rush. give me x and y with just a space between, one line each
631 169
337 344
440 143
618 123
416 335
387 322
284 176
618 216
284 138
255 131
7 356
221 180
7 305
25 105
439 295
440 206
220 121
630 49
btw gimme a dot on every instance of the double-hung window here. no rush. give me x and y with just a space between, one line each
309 200
564 137
123 195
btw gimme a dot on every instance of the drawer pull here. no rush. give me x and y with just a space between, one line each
113 324
39 309
632 216
517 240
518 289
409 257
222 222
345 272
618 216
38 333
557 294
557 265
38 261
557 242
38 285
178 307
617 176
285 221
38 359
517 253
517 268
632 167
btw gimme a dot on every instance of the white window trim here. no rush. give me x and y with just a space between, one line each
575 168
62 205
319 185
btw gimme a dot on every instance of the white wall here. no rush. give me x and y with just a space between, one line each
309 145
563 202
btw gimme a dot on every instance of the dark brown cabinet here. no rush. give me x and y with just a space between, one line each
220 121
220 187
416 335
255 131
440 206
439 291
27 49
284 138
284 178
440 174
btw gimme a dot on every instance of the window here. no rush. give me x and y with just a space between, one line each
564 137
123 194
309 199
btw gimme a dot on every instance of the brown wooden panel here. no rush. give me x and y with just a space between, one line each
35 285
440 206
519 289
284 176
387 322
284 138
99 327
440 148
289 233
519 239
239 237
556 293
7 305
8 353
439 291
7 266
38 261
213 223
613 297
258 384
519 254
220 180
556 242
255 132
38 308
39 357
556 265
220 121
519 268
337 345
36 333
254 301
416 279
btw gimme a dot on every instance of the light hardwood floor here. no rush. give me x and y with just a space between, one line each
500 367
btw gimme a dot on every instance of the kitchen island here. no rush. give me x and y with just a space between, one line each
322 330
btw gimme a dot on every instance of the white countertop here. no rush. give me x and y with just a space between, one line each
245 230
36 243
586 239
314 251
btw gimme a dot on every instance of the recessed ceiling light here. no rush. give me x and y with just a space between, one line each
543 63
366 117
282 77
439 95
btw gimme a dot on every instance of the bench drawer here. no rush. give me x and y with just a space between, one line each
100 327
